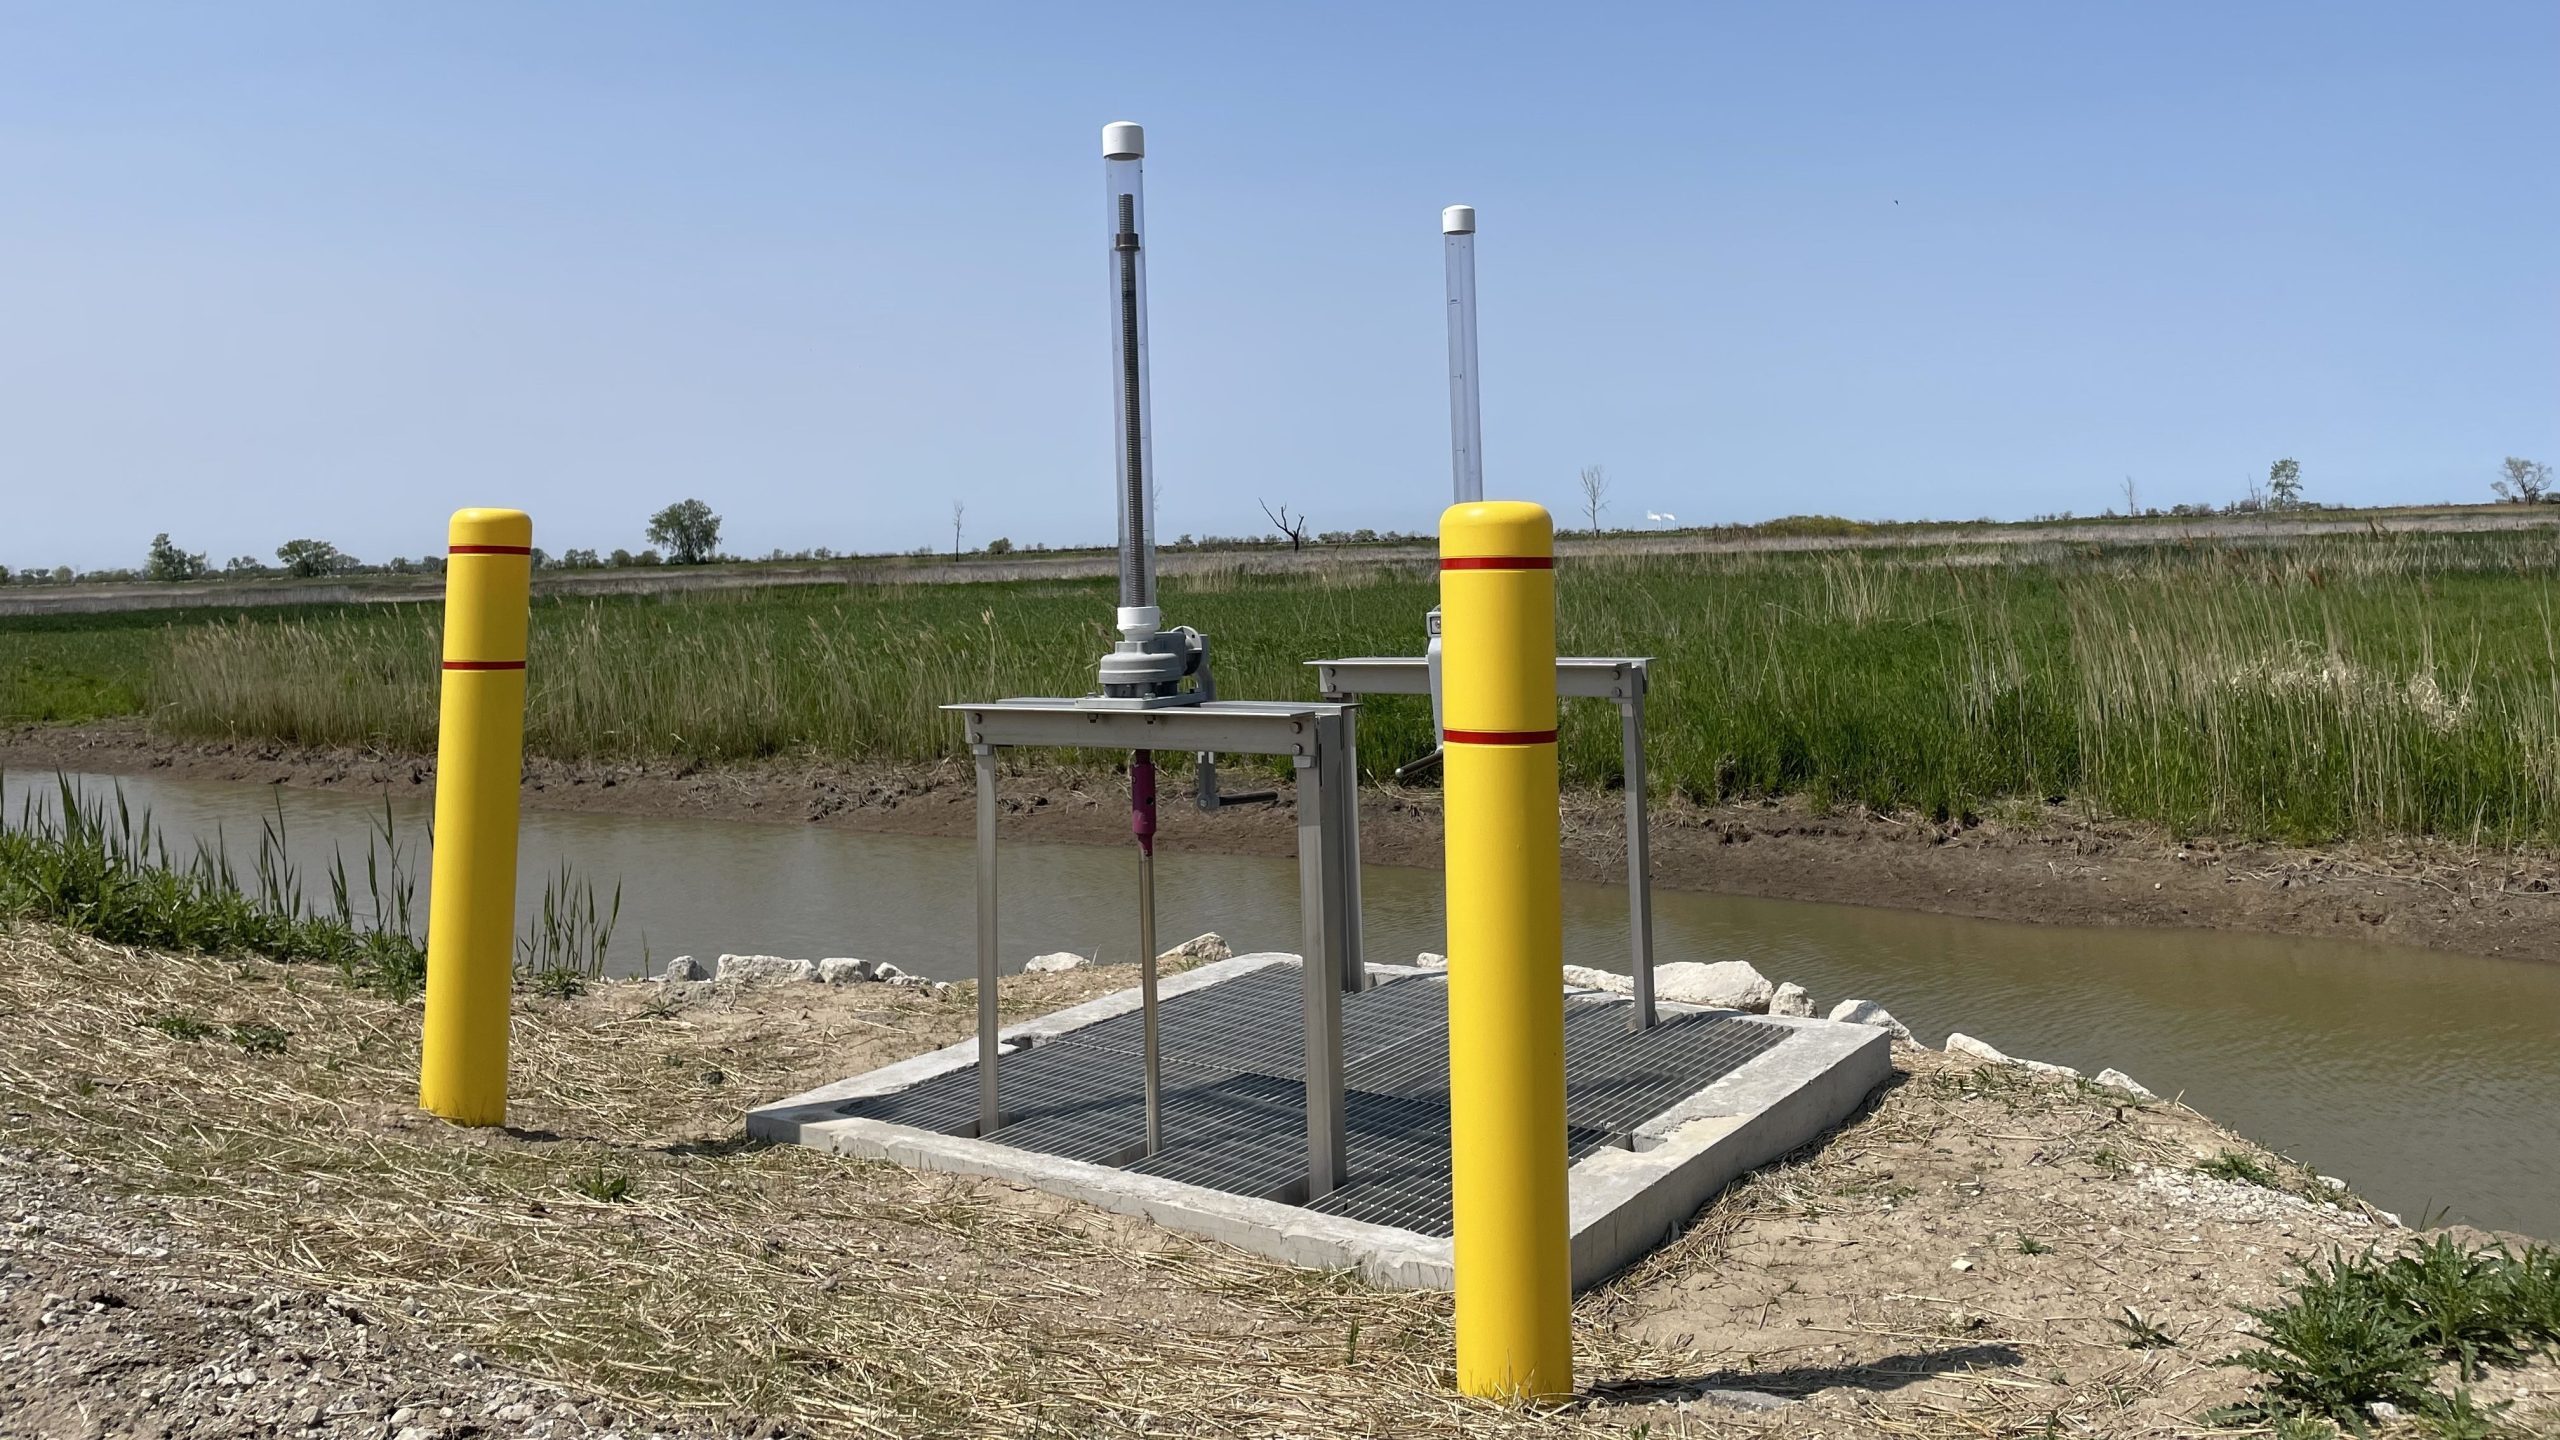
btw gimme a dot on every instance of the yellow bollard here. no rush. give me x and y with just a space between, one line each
471 908
1506 948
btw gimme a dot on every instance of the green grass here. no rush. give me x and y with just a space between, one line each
67 669
71 668
2385 685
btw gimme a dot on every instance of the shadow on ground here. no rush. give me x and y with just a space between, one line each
1889 1373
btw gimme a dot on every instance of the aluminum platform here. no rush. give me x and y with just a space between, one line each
1657 1119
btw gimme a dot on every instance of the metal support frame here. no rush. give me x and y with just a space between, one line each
1622 680
990 1117
1639 843
1319 740
1344 847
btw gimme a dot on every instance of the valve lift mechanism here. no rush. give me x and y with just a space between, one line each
1622 680
1155 693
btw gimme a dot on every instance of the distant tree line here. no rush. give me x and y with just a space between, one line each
687 528
688 533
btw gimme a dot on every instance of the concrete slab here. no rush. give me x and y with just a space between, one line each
1626 1197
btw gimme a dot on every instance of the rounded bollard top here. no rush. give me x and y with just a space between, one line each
1494 529
505 529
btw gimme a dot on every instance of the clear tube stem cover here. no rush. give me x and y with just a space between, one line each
1466 414
1133 457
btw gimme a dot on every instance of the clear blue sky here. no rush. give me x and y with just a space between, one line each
271 270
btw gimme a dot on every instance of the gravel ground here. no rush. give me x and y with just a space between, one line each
111 1331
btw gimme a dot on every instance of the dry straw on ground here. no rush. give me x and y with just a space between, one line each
1958 1262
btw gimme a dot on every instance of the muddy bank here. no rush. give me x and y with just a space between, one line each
2061 867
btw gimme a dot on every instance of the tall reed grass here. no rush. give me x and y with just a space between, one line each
2307 690
100 867
96 864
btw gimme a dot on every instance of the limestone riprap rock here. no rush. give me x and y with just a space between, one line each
886 973
1429 961
1868 1012
1198 950
1720 985
685 967
1793 1001
1583 977
2115 1079
1960 1043
1053 963
757 968
844 970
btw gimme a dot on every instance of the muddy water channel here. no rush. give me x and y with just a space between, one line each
2430 1082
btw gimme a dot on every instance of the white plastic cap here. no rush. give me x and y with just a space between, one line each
1458 220
1137 622
1124 140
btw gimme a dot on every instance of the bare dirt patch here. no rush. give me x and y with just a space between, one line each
2060 866
1956 1261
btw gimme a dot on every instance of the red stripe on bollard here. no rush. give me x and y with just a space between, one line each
1498 562
1499 737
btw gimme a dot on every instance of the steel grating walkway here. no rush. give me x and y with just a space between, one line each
1234 1062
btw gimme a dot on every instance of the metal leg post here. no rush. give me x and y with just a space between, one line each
1142 810
990 1117
1639 856
1327 1150
1346 813
1152 1078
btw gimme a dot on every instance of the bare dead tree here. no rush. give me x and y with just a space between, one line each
1295 528
2132 499
1595 494
2526 482
958 511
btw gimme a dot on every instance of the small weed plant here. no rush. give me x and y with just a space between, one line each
181 1027
2282 1175
2360 1331
2143 1334
607 1187
2242 1168
259 1038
